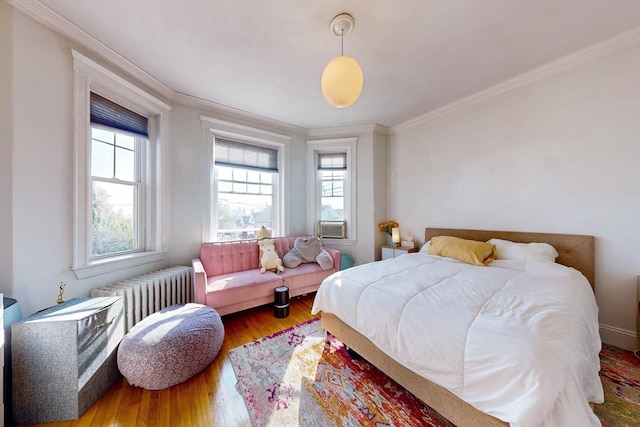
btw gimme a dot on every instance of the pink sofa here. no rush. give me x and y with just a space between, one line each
227 276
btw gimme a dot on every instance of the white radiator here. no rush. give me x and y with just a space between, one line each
151 292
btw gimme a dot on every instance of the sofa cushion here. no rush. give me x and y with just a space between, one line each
241 279
303 276
230 288
228 257
306 250
324 260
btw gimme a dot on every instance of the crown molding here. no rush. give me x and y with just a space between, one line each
622 40
236 114
41 13
83 63
347 130
234 128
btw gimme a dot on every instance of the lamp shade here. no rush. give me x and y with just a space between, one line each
342 81
395 235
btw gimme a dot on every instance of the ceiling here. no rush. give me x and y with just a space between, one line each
266 57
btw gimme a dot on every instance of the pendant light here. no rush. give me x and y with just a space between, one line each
342 78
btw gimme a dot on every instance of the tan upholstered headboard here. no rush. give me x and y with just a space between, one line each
574 250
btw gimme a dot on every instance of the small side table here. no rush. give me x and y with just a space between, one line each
64 358
394 251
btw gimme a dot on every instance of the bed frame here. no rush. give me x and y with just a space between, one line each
574 251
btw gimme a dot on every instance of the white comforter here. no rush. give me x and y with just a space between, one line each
518 339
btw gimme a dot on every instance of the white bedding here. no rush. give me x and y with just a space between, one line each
518 339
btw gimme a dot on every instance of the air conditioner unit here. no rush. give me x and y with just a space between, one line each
332 229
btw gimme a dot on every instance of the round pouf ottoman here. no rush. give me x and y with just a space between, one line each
170 346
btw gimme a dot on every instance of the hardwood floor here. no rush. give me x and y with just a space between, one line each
208 399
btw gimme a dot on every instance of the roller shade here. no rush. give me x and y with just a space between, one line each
332 161
108 113
248 156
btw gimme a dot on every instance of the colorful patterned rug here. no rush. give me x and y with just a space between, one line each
620 374
294 378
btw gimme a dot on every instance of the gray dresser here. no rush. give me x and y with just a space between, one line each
64 358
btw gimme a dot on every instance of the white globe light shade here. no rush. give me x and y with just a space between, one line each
342 81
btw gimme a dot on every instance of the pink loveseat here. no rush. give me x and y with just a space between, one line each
228 278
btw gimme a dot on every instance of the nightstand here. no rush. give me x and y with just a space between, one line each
394 251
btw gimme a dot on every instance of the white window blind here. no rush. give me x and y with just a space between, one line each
332 161
243 155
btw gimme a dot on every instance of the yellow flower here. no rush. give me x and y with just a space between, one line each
387 226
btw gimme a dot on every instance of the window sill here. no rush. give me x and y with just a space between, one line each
120 263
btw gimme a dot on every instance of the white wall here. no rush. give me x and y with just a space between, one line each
42 164
36 178
38 71
371 191
190 177
6 138
191 171
559 154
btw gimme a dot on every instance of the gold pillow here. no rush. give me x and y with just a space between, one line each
469 251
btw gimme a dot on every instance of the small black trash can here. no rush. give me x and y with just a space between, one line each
281 302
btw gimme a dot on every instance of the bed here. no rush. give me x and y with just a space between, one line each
495 372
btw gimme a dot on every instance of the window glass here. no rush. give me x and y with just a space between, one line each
114 227
246 185
125 157
332 194
101 159
115 193
245 202
331 188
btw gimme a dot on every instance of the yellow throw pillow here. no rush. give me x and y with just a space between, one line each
469 251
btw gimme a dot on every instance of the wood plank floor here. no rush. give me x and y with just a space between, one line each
208 399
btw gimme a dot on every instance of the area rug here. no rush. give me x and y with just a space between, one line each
620 375
295 378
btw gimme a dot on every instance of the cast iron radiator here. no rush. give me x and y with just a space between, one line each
151 292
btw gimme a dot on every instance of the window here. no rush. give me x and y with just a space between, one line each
245 191
120 188
117 138
332 168
332 187
246 183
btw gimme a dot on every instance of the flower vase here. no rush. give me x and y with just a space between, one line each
390 240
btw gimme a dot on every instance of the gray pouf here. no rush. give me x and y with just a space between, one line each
170 346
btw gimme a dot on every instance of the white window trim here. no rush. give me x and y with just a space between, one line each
89 77
212 128
347 145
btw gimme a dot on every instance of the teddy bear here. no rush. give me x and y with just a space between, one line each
269 258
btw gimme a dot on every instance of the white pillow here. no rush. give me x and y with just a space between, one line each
506 249
425 247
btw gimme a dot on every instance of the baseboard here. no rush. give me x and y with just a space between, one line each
619 337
